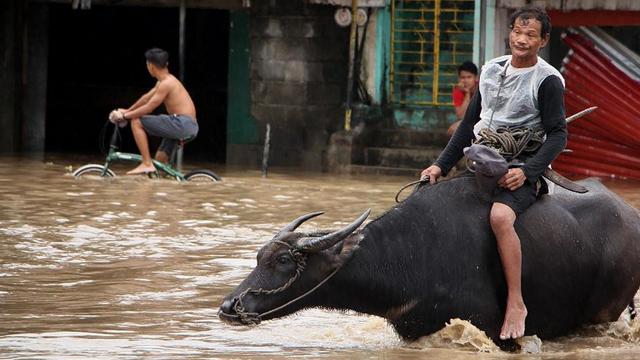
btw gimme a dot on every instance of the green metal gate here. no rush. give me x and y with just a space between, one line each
429 39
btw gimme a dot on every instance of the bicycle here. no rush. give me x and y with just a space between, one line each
170 169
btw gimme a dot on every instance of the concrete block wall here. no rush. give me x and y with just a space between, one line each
23 75
299 59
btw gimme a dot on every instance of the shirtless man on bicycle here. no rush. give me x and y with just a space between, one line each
180 124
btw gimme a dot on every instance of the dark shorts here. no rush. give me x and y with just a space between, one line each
171 128
518 200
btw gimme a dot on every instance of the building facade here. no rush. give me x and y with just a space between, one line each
65 63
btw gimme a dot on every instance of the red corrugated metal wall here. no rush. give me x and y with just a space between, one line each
605 143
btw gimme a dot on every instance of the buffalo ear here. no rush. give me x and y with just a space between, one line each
340 254
349 247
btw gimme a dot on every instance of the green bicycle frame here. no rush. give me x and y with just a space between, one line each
115 155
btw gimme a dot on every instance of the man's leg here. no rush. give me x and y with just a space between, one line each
140 136
162 156
165 149
502 218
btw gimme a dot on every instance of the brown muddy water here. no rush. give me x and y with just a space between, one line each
133 267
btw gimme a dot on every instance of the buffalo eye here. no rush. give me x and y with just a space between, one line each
283 259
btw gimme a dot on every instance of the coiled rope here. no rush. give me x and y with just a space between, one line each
510 143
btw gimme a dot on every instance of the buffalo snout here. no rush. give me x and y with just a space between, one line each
227 313
227 305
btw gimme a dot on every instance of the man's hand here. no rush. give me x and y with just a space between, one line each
433 172
462 87
117 117
513 179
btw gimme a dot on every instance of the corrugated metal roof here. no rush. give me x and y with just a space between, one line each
574 4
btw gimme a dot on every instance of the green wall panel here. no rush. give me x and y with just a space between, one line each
241 127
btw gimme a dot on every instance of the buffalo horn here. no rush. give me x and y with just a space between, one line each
297 222
315 244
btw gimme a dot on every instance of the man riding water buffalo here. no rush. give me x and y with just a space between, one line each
517 91
434 256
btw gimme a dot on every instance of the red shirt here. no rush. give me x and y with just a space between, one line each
458 96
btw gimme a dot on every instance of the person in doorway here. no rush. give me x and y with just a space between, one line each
180 124
463 92
517 91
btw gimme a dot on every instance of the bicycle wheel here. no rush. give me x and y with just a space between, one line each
93 169
202 175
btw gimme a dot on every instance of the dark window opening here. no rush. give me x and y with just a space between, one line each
96 63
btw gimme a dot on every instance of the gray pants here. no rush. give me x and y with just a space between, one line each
171 128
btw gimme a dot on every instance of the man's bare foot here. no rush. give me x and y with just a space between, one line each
142 169
514 317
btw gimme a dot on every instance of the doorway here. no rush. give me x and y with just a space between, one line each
96 63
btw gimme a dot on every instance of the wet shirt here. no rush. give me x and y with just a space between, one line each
510 95
543 97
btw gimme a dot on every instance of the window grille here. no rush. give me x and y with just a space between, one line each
429 40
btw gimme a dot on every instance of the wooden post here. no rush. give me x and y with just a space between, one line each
265 152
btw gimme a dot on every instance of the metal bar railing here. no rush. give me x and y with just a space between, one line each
429 39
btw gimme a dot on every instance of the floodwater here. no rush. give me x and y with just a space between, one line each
135 267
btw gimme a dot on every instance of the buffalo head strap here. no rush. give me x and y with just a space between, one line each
254 318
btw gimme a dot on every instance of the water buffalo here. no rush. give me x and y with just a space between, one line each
433 257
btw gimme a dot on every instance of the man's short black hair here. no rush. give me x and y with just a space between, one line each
157 57
533 12
468 66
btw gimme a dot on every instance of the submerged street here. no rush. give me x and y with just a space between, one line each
130 267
